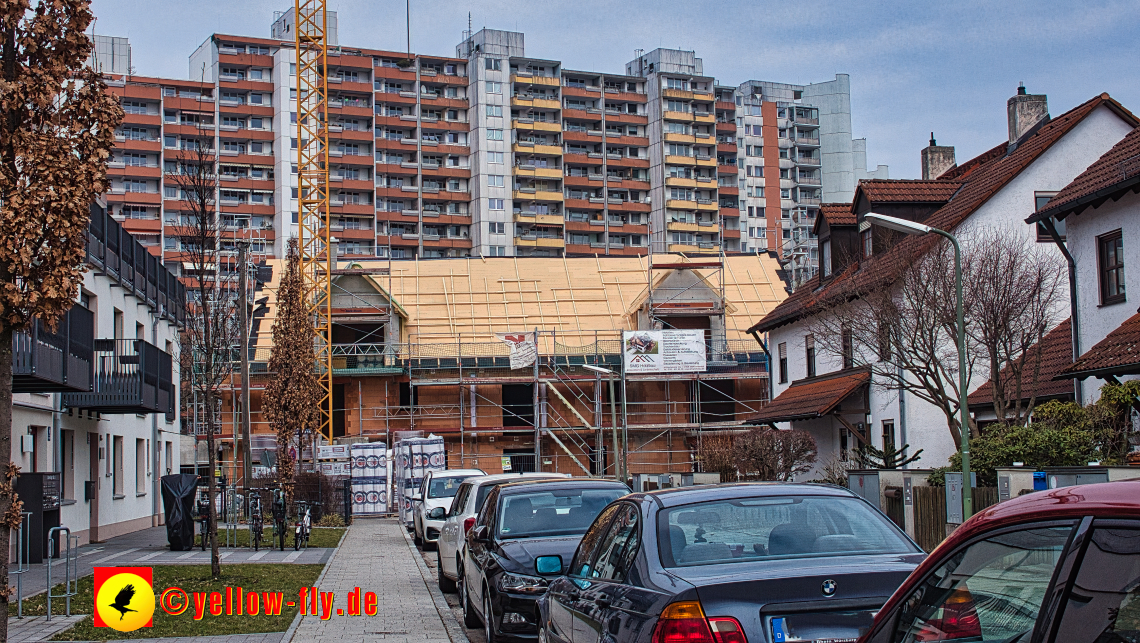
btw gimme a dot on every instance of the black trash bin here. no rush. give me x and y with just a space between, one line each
178 500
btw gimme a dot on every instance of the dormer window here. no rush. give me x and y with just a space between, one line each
868 244
825 259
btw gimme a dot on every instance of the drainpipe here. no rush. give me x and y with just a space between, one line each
1051 227
156 518
763 345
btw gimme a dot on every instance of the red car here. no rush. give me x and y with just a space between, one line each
1060 565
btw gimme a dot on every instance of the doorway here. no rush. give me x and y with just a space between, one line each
717 404
518 405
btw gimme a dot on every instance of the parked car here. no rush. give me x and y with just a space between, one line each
461 517
1060 565
521 523
740 563
431 502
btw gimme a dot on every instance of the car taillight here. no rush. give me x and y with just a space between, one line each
683 622
468 523
726 629
959 619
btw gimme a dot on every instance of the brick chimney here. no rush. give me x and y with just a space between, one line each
1026 112
936 159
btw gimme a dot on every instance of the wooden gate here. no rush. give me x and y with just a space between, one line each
930 512
894 507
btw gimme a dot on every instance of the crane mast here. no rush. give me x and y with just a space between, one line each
317 254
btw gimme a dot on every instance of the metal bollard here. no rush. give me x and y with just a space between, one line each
65 532
22 564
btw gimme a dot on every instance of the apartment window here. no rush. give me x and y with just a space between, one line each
495 204
847 346
494 157
1111 259
494 135
782 352
825 261
495 110
494 87
117 466
496 227
809 354
493 64
140 467
868 244
495 180
498 251
67 463
169 457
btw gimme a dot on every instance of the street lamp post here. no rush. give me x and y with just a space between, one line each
911 227
618 459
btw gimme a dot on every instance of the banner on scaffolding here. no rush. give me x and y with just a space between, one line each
663 351
524 351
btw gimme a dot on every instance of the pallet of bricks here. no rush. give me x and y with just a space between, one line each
369 471
412 459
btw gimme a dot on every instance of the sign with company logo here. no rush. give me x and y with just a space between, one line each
524 351
124 598
664 351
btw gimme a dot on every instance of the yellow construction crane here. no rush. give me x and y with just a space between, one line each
310 23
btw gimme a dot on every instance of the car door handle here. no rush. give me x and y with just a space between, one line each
602 600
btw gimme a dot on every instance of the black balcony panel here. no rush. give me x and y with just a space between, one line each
60 361
131 376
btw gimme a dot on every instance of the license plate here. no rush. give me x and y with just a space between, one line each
821 627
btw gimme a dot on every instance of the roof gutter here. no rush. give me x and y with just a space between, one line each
1071 207
1051 228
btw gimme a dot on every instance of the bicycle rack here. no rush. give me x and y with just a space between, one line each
22 564
71 582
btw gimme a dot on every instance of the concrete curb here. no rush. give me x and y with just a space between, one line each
454 629
287 637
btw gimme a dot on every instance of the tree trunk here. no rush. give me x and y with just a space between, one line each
7 499
212 489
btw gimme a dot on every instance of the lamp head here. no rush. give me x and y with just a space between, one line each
897 224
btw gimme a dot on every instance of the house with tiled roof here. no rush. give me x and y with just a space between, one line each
1040 365
1094 221
836 394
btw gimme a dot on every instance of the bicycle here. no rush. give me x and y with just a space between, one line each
304 526
255 520
279 517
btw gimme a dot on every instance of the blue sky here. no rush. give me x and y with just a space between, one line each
915 66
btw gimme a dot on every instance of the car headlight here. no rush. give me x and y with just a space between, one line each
521 584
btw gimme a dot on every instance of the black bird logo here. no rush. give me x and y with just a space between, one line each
123 599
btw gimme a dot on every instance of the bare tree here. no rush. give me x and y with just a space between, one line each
771 454
211 318
57 125
717 453
1015 293
905 330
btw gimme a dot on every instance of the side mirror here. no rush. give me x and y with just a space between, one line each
548 565
437 514
481 534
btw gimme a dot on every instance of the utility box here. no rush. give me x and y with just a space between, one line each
890 491
1018 481
40 494
654 481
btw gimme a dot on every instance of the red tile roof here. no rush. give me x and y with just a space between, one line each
812 398
1056 352
982 181
1118 168
837 213
907 190
1117 354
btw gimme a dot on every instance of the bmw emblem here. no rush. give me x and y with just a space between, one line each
829 587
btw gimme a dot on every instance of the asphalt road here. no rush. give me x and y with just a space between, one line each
475 635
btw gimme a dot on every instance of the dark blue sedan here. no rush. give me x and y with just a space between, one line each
743 563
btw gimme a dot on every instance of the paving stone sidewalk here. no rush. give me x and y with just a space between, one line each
377 556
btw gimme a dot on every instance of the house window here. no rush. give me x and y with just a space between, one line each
1111 259
847 343
1040 200
782 351
809 346
495 110
495 204
494 135
117 471
888 433
494 88
825 261
140 467
868 244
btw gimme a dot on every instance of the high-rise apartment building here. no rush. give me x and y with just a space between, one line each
490 152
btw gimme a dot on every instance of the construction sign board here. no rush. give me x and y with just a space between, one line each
663 351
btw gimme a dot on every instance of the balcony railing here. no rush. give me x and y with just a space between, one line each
131 376
43 361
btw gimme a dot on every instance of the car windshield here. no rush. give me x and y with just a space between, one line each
744 529
445 487
553 512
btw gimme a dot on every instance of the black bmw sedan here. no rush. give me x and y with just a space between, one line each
520 525
743 563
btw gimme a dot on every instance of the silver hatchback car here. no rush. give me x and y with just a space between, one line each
459 519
